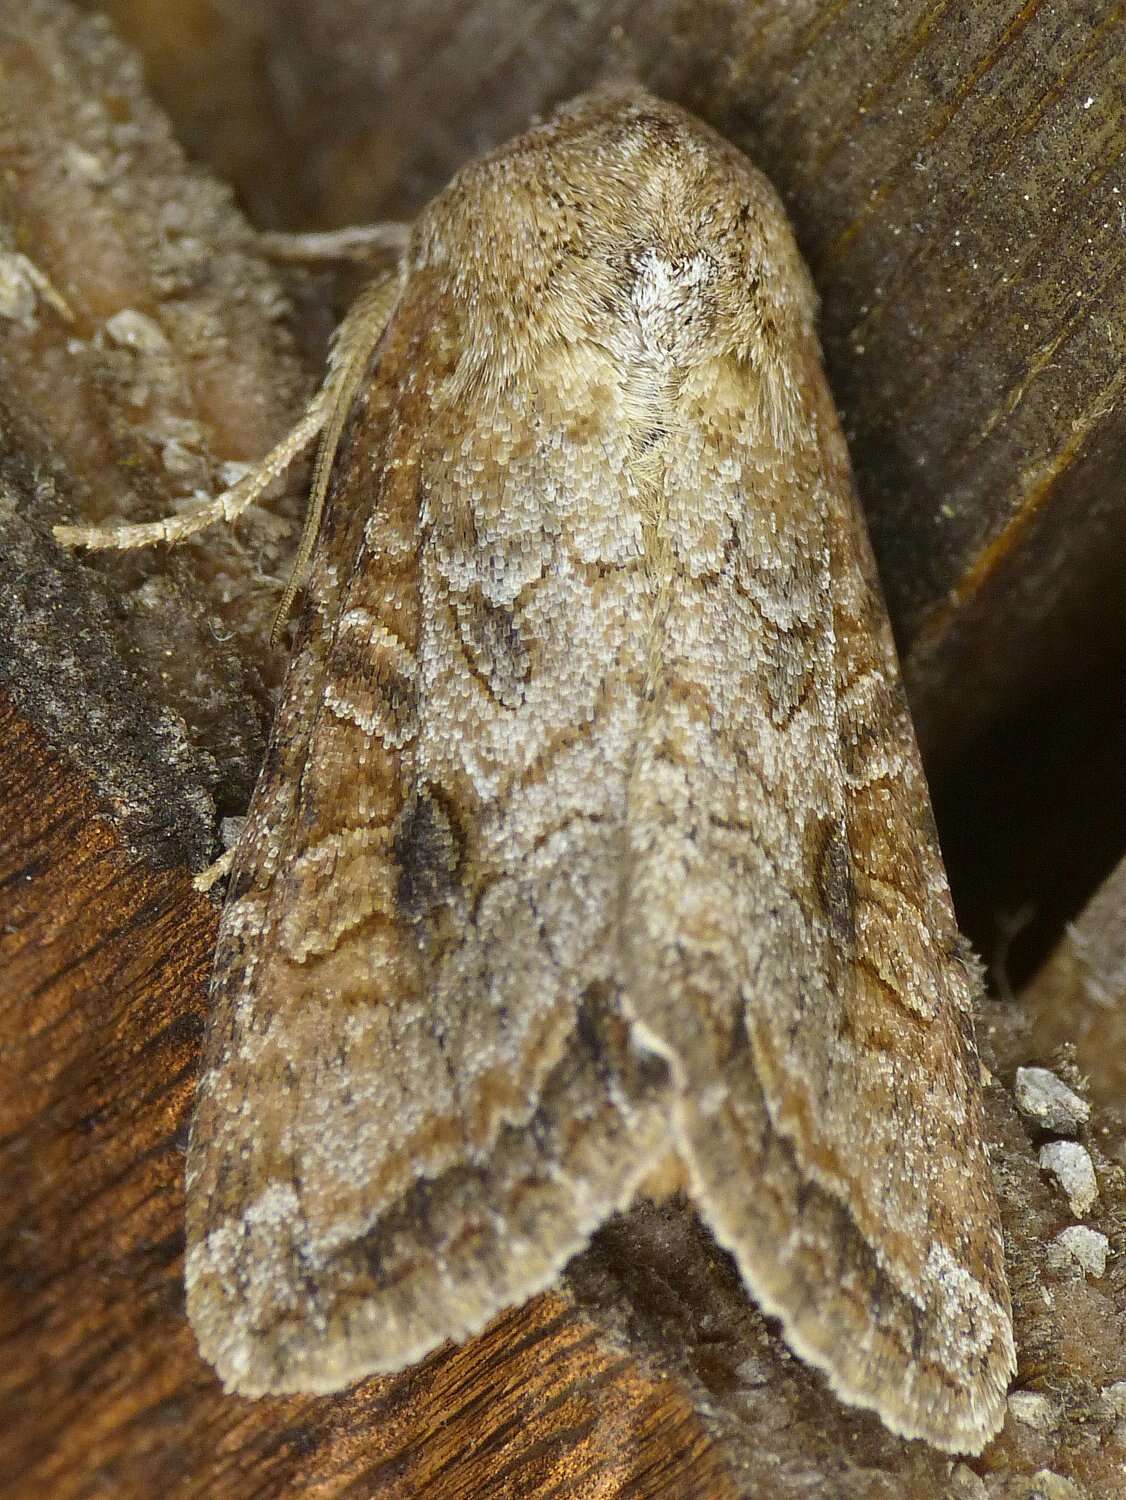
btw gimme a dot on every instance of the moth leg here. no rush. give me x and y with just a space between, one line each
214 872
352 348
358 242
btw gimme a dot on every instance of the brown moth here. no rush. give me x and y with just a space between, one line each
593 832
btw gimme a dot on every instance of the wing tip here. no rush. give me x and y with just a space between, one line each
943 1378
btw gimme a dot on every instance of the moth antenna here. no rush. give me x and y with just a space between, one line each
355 340
356 337
358 242
227 506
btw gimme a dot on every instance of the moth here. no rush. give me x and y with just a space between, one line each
593 834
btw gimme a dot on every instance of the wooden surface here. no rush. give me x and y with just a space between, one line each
960 202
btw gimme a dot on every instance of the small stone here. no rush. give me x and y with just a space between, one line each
1086 1247
1113 1397
1046 1099
135 330
1034 1410
1071 1166
230 831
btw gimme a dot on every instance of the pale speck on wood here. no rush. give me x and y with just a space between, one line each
1048 1102
593 835
1070 1164
1034 1409
136 330
1078 1245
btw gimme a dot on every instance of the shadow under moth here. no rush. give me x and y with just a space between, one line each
593 836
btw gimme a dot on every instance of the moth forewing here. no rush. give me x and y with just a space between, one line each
593 827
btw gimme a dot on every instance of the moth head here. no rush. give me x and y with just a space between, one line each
620 221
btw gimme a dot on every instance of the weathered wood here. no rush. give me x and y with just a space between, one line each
1077 1000
150 668
971 332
